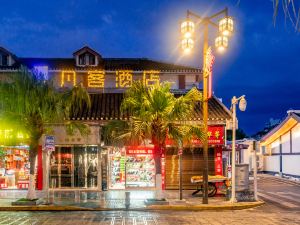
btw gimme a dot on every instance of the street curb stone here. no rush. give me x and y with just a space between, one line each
232 206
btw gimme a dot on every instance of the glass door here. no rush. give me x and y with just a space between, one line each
66 167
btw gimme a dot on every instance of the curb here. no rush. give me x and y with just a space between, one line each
234 206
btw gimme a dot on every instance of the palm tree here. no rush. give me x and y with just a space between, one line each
156 115
29 102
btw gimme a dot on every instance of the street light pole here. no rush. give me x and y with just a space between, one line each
233 102
225 28
242 107
205 116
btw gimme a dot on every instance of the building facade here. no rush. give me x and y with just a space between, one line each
86 162
281 147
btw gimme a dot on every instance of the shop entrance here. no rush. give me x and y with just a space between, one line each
74 167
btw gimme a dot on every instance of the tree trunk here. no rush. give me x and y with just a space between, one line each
157 159
158 178
31 194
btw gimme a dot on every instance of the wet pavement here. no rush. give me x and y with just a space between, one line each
113 199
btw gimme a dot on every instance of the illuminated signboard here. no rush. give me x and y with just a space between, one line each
68 76
218 161
139 150
150 77
41 72
209 61
123 78
96 79
215 136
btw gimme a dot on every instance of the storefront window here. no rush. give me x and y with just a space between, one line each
74 167
140 171
14 167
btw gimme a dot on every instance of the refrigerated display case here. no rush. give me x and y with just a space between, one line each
140 171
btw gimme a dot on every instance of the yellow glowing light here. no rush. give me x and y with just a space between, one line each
8 134
123 78
221 43
68 76
187 26
96 79
151 77
187 45
226 26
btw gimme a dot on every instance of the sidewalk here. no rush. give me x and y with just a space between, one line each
115 200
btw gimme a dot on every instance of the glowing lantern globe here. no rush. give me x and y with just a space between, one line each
187 28
221 43
187 45
226 26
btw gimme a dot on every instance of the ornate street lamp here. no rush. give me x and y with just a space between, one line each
242 106
221 43
225 28
187 31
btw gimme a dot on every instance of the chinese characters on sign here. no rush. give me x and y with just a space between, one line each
123 78
215 136
68 77
139 151
150 78
218 161
96 79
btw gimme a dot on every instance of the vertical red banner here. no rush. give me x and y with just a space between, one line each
163 171
218 160
39 180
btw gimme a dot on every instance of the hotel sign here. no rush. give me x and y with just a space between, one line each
97 78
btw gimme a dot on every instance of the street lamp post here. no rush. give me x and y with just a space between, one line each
225 28
242 106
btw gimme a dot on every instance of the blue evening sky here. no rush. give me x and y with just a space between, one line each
262 61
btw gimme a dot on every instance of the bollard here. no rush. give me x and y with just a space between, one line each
127 199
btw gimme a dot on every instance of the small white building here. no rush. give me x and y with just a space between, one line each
244 153
281 147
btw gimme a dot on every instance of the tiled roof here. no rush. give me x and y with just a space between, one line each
106 106
135 64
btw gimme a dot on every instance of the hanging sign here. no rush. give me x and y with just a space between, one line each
209 61
49 144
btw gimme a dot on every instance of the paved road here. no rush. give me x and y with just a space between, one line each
282 207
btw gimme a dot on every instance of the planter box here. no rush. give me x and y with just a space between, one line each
25 202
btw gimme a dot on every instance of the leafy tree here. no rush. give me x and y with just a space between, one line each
155 115
240 134
29 102
291 10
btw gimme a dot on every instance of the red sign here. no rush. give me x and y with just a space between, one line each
218 161
215 136
163 171
139 150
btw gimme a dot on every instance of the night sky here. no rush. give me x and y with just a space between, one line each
262 61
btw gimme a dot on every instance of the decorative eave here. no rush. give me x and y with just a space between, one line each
285 126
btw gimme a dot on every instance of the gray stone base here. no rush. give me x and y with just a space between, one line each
242 196
24 202
156 202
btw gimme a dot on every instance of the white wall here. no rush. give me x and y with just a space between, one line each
285 141
296 139
272 163
275 146
291 164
